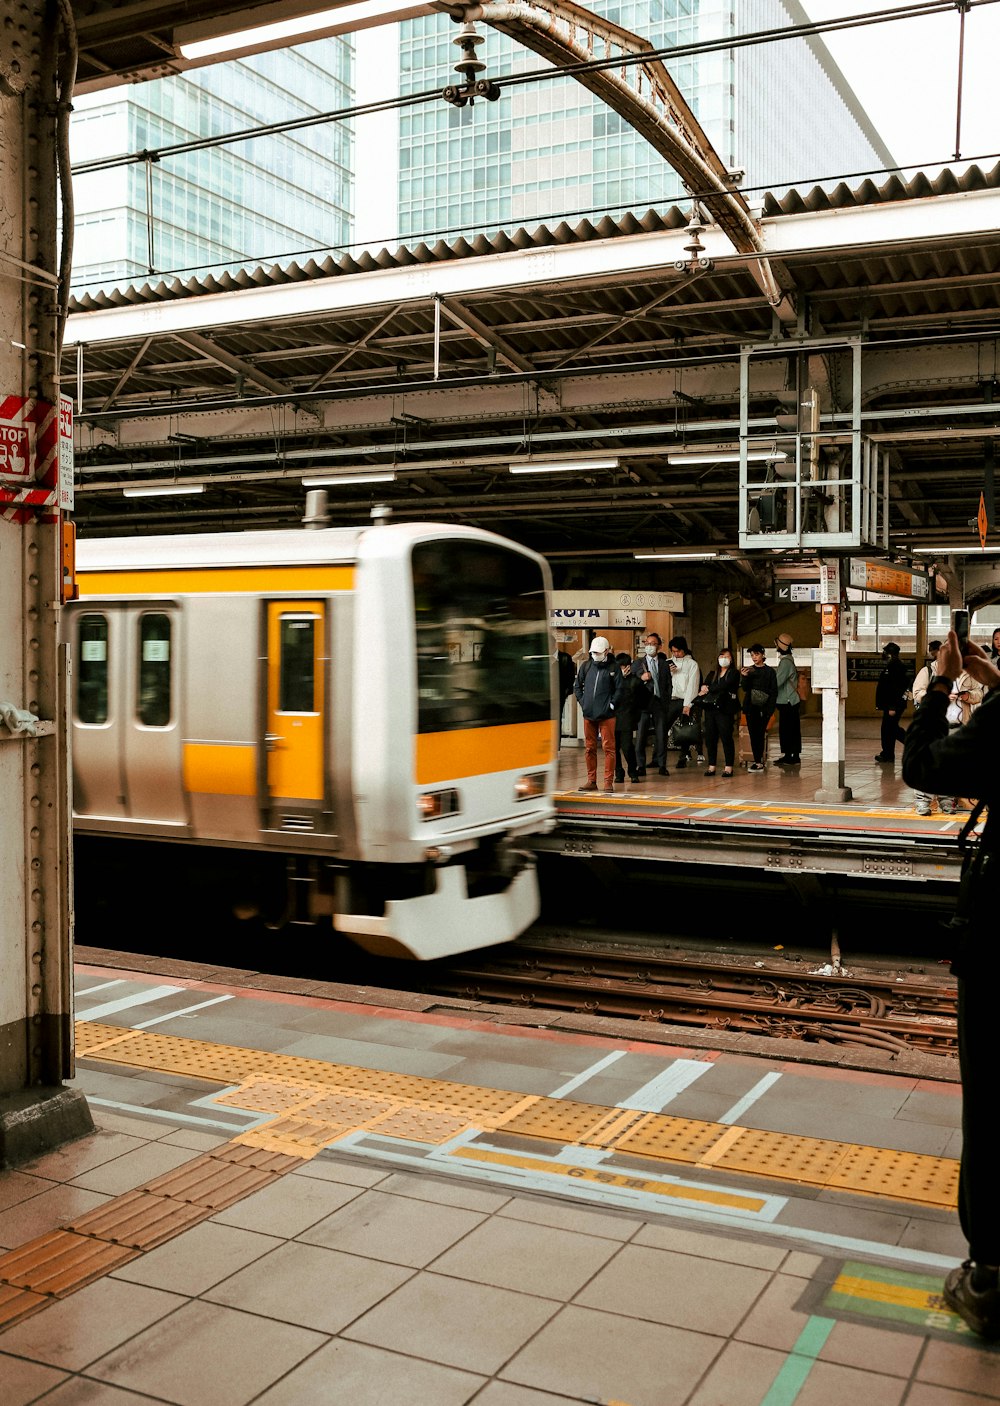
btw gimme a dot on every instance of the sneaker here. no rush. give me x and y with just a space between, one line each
756 766
979 1308
590 786
923 810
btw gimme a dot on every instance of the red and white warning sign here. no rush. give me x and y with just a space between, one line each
29 458
17 438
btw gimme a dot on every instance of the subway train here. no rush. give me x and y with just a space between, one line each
360 722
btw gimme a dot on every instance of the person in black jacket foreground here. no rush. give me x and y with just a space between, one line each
965 761
890 701
634 702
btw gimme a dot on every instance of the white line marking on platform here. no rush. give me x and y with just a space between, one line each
749 1098
589 1073
359 1143
171 1117
141 998
93 990
185 1010
655 1095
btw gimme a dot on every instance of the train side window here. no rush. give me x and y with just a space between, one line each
153 702
297 678
92 669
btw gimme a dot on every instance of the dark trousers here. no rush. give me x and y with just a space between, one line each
719 728
891 734
978 1205
624 748
757 728
789 729
659 720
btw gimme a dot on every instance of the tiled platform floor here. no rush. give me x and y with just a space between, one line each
379 1272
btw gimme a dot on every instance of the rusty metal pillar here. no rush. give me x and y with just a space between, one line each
36 1049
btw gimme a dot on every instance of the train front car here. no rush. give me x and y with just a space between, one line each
454 741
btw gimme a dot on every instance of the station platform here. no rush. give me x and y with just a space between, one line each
304 1196
770 819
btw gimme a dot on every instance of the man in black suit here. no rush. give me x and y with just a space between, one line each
652 668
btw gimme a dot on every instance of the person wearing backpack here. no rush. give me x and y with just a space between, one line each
599 689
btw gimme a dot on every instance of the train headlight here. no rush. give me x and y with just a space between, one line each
527 787
432 805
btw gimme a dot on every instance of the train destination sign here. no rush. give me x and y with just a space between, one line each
888 579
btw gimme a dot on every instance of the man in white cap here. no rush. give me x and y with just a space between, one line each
599 688
789 723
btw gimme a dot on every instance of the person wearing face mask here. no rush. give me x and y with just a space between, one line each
720 701
599 689
685 682
760 690
890 701
652 670
789 722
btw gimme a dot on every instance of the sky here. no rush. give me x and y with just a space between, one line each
905 74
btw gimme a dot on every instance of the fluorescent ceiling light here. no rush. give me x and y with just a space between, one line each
963 550
725 456
340 18
561 466
679 556
362 476
164 490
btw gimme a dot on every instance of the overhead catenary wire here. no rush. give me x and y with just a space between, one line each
891 14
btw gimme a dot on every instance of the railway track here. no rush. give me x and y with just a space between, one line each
879 1012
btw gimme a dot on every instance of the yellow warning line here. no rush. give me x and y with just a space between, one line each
776 808
604 1177
314 1104
874 1291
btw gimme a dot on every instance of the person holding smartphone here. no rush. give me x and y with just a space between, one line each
962 761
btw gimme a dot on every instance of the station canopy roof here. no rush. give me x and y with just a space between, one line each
604 342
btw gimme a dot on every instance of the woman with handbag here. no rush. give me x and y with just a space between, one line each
760 694
720 704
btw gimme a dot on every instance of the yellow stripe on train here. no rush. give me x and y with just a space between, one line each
217 580
448 756
220 768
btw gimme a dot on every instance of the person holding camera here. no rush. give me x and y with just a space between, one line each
963 761
760 694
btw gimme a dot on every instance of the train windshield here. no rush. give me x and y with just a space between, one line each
483 652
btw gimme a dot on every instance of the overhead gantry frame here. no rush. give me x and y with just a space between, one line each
645 95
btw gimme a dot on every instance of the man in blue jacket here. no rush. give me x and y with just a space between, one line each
965 761
599 687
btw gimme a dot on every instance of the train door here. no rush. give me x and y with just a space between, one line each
296 700
99 710
152 735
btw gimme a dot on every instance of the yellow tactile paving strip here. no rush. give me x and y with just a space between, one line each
315 1104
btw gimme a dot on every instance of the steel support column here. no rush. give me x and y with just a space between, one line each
36 1049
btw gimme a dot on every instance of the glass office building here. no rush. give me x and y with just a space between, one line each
268 198
782 112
